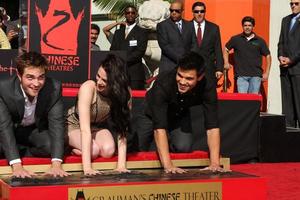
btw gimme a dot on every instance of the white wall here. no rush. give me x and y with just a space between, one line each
102 41
279 9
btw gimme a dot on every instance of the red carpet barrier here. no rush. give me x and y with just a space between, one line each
139 156
139 160
72 92
238 117
239 124
237 144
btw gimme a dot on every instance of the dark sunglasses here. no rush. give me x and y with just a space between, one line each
198 11
130 12
175 10
294 3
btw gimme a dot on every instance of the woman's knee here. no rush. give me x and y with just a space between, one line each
95 151
107 150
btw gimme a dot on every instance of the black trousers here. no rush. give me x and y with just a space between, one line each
33 143
290 91
137 84
179 134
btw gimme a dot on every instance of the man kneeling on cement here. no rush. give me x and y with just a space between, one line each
31 119
168 104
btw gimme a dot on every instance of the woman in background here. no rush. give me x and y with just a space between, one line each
100 119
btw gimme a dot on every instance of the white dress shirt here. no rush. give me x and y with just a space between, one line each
129 28
202 25
29 111
28 119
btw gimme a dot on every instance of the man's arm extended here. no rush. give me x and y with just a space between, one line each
213 141
162 144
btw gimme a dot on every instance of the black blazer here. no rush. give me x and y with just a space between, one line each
173 44
289 45
211 47
48 115
135 45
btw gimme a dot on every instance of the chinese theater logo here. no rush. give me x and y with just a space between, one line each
59 28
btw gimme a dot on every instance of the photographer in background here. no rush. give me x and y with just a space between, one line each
4 43
11 28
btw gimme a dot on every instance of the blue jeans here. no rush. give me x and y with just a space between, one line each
248 84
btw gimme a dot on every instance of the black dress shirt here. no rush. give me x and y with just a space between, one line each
167 107
248 54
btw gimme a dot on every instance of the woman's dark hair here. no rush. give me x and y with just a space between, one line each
118 92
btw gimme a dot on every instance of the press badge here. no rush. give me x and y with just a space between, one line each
133 43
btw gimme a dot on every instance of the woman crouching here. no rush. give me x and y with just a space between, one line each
100 118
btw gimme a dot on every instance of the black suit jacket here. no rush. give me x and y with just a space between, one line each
211 47
135 52
173 44
289 45
48 115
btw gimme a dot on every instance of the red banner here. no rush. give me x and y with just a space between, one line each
59 29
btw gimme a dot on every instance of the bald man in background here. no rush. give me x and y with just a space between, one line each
175 37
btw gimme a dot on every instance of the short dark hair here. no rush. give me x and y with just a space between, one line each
191 61
130 6
199 3
248 19
95 27
31 59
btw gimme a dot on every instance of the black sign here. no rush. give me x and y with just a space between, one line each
7 62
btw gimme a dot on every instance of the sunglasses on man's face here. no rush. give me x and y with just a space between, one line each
198 11
294 3
175 10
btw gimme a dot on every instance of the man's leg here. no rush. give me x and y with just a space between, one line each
254 85
242 84
287 100
137 85
40 143
180 141
296 95
181 137
144 130
1 152
22 138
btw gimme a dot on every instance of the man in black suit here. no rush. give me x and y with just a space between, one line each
208 41
175 38
289 58
132 39
31 120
